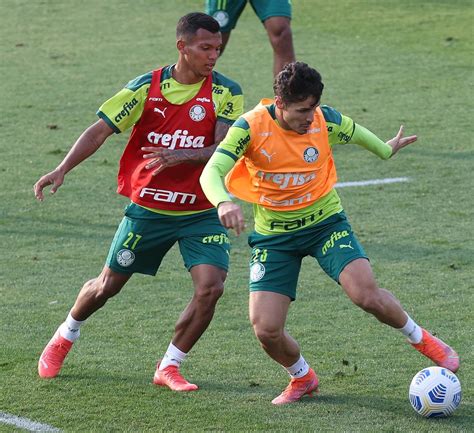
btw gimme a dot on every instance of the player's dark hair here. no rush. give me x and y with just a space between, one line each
298 81
191 23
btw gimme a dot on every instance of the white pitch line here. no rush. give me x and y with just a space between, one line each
25 423
373 182
368 182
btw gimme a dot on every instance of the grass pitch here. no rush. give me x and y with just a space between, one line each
383 64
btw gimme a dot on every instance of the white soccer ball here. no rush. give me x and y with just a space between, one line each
435 392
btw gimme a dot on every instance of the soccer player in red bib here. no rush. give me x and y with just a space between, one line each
179 113
279 157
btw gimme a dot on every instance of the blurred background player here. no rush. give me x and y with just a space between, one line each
278 157
178 114
275 16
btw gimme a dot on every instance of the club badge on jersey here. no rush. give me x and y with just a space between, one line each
175 127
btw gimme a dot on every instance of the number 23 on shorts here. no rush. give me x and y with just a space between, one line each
259 255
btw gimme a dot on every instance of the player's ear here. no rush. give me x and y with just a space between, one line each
279 102
180 45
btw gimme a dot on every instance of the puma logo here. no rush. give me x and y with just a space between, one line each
162 112
346 246
269 157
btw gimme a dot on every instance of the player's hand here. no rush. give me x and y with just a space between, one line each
231 216
162 158
55 178
399 141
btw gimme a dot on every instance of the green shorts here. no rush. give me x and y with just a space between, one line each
227 12
144 237
276 259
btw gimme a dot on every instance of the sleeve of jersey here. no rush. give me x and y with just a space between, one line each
221 162
342 130
125 108
230 104
368 140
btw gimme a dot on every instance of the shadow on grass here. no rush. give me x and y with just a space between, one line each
98 378
246 393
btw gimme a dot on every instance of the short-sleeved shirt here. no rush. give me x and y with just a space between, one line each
340 130
125 108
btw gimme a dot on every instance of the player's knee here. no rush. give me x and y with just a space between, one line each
267 335
369 300
104 287
280 36
364 301
209 294
361 289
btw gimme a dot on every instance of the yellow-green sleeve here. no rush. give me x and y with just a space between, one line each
125 108
342 130
368 140
228 98
212 178
224 158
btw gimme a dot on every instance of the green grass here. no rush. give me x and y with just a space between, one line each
383 63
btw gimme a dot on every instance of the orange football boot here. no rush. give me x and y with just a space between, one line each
438 351
52 358
171 377
297 388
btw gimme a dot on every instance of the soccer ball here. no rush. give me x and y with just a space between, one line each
435 392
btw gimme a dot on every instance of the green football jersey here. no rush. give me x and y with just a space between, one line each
125 108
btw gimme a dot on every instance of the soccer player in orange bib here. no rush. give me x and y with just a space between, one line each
278 157
178 114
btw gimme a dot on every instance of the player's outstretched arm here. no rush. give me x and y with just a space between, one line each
89 141
399 141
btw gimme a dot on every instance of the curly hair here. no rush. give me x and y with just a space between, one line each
298 81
